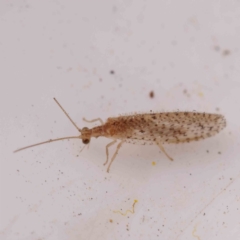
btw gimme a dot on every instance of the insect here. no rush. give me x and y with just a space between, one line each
148 128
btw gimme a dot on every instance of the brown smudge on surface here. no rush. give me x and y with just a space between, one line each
151 94
226 52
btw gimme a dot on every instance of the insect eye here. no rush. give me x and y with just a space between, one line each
86 141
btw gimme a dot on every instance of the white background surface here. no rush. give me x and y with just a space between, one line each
187 52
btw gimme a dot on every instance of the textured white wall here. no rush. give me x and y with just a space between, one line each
187 52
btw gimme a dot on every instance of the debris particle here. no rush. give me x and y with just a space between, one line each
112 72
131 211
185 92
226 52
151 94
194 233
110 220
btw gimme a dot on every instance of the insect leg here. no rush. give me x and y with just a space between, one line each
115 154
110 144
163 150
83 147
94 120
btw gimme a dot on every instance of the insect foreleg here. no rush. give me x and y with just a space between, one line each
94 120
108 145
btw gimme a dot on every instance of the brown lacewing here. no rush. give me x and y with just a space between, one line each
148 128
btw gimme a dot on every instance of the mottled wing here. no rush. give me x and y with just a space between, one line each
173 127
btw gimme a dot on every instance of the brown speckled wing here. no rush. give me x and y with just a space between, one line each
173 127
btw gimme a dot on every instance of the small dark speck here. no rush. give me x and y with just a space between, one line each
217 48
219 153
151 94
204 214
100 80
112 72
207 151
185 92
114 9
217 109
226 52
79 214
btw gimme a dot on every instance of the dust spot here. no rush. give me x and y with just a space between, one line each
185 92
217 48
151 94
226 52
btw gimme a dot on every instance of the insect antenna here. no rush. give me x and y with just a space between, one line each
56 139
49 141
67 115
